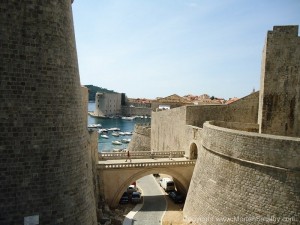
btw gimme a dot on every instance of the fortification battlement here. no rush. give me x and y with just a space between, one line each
291 30
263 149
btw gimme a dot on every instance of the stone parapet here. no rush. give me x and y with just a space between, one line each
145 164
276 151
139 155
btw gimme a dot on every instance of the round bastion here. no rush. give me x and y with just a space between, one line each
244 176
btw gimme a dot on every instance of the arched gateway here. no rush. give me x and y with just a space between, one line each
117 174
193 151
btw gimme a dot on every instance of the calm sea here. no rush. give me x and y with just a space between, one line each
124 125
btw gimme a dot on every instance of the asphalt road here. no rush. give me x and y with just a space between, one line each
155 204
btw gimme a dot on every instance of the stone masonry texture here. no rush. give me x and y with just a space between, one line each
279 111
141 138
44 174
242 177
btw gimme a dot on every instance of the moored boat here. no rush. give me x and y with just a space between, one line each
116 134
125 140
116 142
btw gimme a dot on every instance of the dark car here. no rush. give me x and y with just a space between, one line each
125 198
176 197
136 197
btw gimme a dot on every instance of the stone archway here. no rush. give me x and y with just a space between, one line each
193 151
182 182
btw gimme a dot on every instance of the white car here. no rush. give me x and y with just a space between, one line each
131 189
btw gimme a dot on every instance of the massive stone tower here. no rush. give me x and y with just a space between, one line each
44 168
279 109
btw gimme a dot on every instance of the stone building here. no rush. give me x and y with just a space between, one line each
107 104
47 164
247 152
169 102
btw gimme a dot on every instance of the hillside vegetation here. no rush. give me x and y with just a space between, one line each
94 89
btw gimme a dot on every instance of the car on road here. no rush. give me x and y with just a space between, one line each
136 197
131 189
125 198
176 197
167 184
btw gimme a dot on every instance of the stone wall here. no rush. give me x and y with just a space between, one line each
136 111
141 138
279 111
85 97
169 131
44 169
242 175
244 110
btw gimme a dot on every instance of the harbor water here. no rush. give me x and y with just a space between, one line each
105 144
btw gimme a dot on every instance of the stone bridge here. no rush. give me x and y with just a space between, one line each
116 174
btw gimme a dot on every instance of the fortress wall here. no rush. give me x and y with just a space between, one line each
85 97
271 150
136 111
94 159
244 110
230 180
197 115
279 111
44 169
249 127
141 138
168 130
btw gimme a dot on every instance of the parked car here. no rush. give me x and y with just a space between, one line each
131 189
167 184
176 197
125 198
136 197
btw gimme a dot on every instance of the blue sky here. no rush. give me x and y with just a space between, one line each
155 48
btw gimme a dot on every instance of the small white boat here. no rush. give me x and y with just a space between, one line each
122 133
98 125
128 133
100 131
116 142
128 118
125 140
114 129
115 134
104 136
117 150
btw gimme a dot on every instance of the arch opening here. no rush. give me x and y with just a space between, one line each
181 183
193 151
